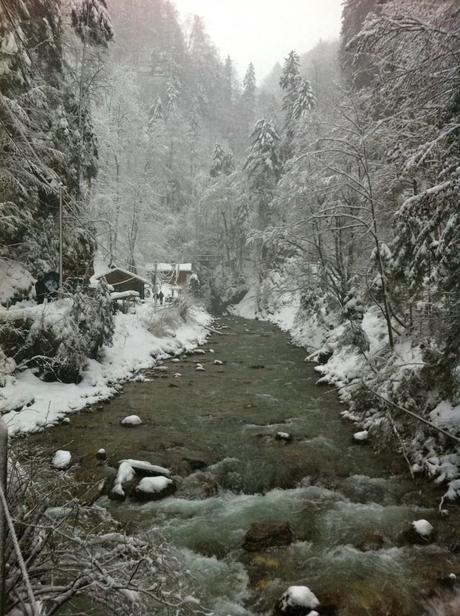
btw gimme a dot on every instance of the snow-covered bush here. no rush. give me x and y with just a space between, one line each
89 325
164 322
58 338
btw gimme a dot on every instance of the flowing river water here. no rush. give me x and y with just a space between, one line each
346 504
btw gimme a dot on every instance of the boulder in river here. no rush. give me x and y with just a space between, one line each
131 421
199 485
297 601
361 437
283 436
264 535
154 488
420 532
101 455
196 464
371 542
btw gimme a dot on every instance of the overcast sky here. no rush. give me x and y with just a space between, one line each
264 31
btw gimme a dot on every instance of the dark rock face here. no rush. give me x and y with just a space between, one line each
263 535
196 464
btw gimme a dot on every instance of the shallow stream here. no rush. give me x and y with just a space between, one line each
346 504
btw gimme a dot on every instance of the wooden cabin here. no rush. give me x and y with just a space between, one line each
123 280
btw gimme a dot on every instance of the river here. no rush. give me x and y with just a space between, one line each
346 503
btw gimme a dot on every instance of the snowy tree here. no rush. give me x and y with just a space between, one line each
91 21
298 98
247 103
222 162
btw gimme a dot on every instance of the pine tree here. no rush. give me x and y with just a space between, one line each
305 100
247 105
263 166
222 162
91 22
291 83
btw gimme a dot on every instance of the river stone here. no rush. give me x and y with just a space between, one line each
412 535
283 436
131 421
101 455
297 601
154 488
371 542
198 486
263 535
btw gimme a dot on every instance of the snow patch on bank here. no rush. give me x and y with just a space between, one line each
29 404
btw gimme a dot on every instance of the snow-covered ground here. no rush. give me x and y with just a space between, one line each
347 366
29 404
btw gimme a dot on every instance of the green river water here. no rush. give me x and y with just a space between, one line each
346 503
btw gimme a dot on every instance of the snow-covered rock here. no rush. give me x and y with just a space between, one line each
199 352
101 454
154 488
218 362
361 436
146 468
283 436
62 459
161 368
177 375
125 475
298 601
199 368
423 528
131 420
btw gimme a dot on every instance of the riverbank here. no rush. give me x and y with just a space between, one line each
366 374
140 340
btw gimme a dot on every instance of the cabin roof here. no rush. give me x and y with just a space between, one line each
122 271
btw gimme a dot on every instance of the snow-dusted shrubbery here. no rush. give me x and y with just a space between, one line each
164 322
57 338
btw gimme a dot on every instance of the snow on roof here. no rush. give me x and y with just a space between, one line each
123 271
169 267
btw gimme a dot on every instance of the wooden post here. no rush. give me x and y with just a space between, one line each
61 260
155 291
3 526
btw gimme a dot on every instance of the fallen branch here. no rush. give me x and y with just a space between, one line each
415 416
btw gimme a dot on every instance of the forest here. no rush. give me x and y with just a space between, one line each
319 205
